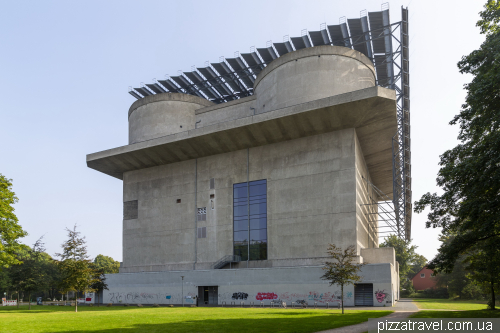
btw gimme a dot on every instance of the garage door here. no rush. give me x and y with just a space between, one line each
363 294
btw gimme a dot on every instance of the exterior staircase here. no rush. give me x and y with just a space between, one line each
226 260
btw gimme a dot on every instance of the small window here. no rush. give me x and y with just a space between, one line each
212 196
212 183
202 214
178 200
130 210
202 232
422 275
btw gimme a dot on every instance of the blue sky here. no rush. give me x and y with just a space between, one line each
66 67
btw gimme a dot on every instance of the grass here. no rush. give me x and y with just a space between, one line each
449 304
178 319
457 314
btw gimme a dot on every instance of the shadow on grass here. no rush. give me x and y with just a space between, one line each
457 314
308 324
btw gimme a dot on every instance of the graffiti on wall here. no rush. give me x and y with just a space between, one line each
263 296
381 295
239 295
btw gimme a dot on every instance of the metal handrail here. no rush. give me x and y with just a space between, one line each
226 260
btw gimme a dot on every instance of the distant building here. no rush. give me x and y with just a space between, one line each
424 279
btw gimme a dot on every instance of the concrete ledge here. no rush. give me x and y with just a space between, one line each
169 97
371 111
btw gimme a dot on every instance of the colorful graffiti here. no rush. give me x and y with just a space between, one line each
239 295
263 296
380 295
348 294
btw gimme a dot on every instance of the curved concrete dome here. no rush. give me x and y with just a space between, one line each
163 114
310 74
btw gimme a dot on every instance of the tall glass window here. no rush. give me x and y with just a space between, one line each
250 220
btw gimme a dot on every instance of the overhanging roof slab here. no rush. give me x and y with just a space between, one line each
371 111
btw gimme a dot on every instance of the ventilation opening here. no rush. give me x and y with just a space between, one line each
202 232
131 210
212 196
178 200
202 214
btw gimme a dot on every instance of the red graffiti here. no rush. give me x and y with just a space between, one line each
262 296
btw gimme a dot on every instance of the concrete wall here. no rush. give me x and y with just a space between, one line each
310 74
163 114
311 191
366 204
247 285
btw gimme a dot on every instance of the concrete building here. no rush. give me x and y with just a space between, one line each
239 201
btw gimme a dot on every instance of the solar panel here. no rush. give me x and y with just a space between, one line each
298 43
155 89
357 35
283 48
169 84
267 54
215 81
377 31
252 59
136 95
202 85
143 91
228 75
319 37
241 70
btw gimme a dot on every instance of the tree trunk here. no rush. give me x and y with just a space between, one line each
342 297
29 300
97 294
18 300
76 301
492 294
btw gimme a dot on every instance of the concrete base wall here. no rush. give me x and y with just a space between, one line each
256 285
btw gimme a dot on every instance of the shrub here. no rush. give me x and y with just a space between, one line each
156 305
139 305
126 304
171 305
109 305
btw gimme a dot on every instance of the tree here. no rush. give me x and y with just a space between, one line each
484 264
107 264
30 276
99 283
406 256
75 266
418 262
10 230
470 173
343 270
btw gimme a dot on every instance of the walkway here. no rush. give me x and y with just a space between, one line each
403 309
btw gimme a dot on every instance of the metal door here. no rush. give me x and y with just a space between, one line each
363 294
208 295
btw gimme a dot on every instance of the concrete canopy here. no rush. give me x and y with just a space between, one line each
371 111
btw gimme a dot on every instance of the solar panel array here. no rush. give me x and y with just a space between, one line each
233 78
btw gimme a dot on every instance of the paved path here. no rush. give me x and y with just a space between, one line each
403 309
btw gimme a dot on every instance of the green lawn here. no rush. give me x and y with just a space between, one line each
448 304
457 314
178 319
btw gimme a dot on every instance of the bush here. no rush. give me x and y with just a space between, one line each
472 291
156 305
139 305
126 304
109 305
171 305
431 293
